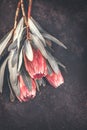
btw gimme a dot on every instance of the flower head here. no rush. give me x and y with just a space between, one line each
36 68
25 93
55 79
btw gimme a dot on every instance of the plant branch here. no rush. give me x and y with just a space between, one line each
16 15
25 19
29 8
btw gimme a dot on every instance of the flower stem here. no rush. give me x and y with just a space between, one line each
29 8
25 19
16 15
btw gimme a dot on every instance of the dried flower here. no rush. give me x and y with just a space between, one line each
36 68
29 60
25 93
55 79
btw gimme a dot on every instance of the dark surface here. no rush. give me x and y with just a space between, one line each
64 108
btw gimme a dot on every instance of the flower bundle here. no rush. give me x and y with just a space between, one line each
29 60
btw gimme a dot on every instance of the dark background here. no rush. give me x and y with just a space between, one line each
64 108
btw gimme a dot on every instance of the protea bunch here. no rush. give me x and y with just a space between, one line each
28 59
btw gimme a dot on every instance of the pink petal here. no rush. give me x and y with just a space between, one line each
33 91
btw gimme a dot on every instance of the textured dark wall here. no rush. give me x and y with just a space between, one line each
64 108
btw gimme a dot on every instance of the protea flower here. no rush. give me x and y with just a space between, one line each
29 58
25 93
55 79
36 68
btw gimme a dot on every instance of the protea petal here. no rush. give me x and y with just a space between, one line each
33 91
36 68
55 79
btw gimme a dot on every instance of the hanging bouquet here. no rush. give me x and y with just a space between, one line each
28 57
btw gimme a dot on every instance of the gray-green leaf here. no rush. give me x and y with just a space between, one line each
52 63
13 75
28 50
20 60
5 41
18 29
35 31
2 72
26 79
55 40
39 45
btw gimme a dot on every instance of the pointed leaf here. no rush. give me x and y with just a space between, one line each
22 31
37 25
35 31
12 96
28 50
15 57
2 71
63 66
53 63
12 45
47 35
26 79
18 29
60 64
55 40
5 41
49 68
20 60
39 45
13 75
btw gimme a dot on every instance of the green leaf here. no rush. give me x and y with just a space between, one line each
35 31
18 29
47 35
12 96
12 45
4 41
28 50
14 57
39 45
13 75
2 73
55 40
26 78
20 59
52 63
37 25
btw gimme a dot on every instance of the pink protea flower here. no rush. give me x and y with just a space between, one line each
36 68
55 79
25 94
